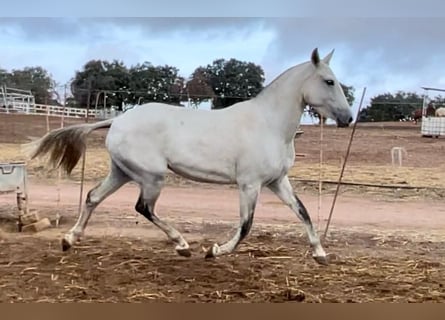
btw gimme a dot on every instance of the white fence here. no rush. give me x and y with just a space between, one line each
11 97
59 111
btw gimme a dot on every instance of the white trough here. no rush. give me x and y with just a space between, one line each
13 179
433 126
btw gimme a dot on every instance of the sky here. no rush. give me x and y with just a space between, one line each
384 46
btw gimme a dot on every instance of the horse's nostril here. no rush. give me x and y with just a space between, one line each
350 119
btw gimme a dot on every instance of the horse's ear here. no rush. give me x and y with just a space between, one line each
315 57
328 57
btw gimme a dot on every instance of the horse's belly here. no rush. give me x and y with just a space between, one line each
202 174
202 157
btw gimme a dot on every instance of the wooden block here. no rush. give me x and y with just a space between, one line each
298 134
29 218
37 226
301 155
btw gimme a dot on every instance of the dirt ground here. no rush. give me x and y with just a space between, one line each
389 252
383 246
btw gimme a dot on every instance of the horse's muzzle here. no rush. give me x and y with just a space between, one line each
342 124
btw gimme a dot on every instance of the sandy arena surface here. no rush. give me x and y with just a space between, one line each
383 246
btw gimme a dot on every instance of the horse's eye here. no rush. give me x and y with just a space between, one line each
329 82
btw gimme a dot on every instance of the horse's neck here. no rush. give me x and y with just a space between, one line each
282 102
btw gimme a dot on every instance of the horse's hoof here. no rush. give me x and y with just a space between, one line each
323 260
184 252
65 245
211 253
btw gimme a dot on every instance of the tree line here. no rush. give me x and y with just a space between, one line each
223 82
111 83
396 106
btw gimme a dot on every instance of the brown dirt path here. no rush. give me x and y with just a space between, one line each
221 203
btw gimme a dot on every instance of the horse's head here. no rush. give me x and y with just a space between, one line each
323 92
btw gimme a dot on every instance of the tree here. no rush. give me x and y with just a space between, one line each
198 87
439 101
391 107
71 102
4 76
349 93
177 91
35 79
150 83
228 82
103 81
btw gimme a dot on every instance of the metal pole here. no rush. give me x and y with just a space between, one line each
344 164
82 174
47 114
62 119
320 182
97 101
5 96
59 173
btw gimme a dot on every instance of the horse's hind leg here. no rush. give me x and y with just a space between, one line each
150 192
283 189
115 179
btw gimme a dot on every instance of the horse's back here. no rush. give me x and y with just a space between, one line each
198 143
168 119
169 128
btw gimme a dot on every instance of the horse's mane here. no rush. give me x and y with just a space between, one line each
279 77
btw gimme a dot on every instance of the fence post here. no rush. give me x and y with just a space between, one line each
82 173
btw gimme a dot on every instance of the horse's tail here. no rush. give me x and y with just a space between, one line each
65 146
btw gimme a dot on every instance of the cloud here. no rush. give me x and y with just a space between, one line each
57 29
384 54
38 29
381 53
228 8
183 42
401 40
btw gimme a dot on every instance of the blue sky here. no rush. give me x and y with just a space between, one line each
383 45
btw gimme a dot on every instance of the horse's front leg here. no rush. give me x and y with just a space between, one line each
283 189
248 198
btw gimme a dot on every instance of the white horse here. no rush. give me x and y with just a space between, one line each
250 144
440 112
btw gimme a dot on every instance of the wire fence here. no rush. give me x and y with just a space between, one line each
104 104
